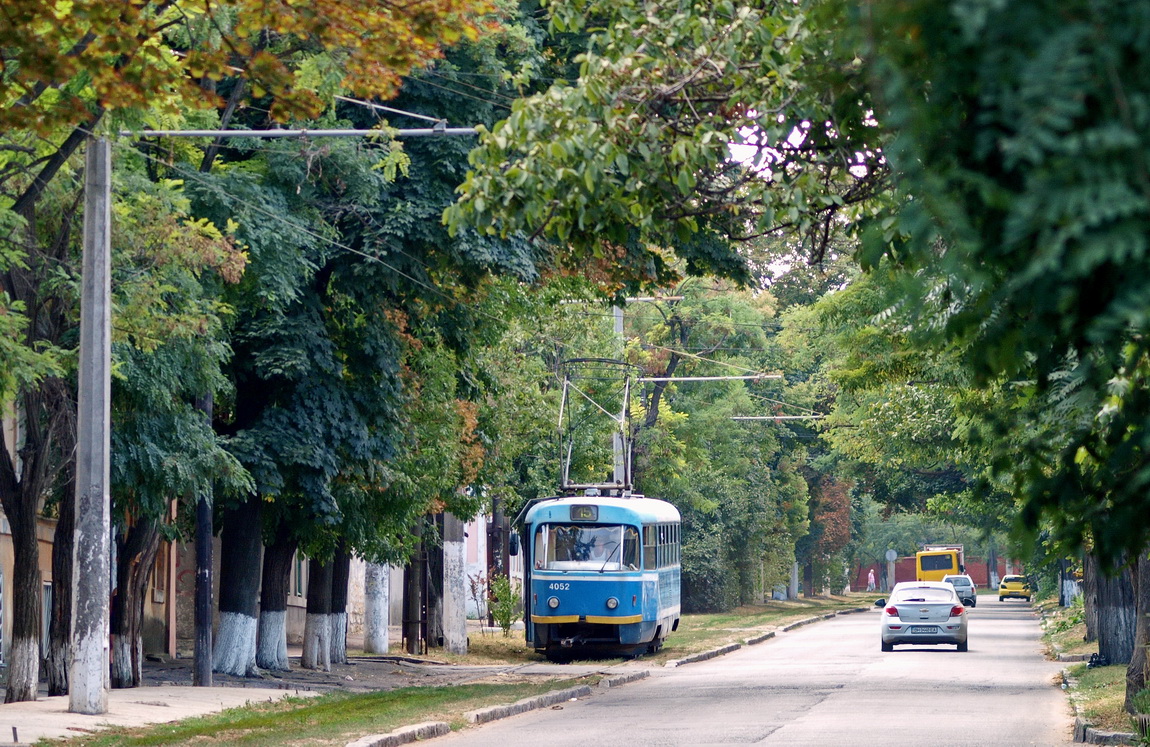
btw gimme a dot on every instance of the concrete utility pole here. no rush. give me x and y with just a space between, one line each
454 585
618 446
88 675
377 590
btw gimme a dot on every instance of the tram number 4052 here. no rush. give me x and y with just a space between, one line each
559 587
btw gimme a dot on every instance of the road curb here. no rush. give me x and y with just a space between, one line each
853 611
1073 657
801 623
404 735
703 656
1084 733
759 638
623 679
494 713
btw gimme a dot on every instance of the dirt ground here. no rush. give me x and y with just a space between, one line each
359 674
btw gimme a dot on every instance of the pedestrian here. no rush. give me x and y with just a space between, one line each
870 580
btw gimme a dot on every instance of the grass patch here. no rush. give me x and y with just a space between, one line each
1101 692
493 648
332 719
1064 629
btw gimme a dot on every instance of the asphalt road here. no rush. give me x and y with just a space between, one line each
825 684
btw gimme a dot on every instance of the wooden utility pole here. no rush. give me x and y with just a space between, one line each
202 656
413 588
91 563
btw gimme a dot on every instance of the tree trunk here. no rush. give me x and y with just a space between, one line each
272 640
317 626
375 614
59 629
136 553
340 575
24 650
1116 616
1090 597
235 645
809 580
49 424
1138 671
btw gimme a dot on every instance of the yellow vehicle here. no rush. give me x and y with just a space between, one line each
1014 587
933 563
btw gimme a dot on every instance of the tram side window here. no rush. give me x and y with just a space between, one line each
630 548
650 544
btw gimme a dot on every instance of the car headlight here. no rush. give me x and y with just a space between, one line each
553 602
612 603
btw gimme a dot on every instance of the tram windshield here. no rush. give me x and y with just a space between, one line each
586 547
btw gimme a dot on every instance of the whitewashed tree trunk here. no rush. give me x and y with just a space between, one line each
337 611
235 645
338 622
375 612
271 648
317 642
121 666
241 555
454 586
23 658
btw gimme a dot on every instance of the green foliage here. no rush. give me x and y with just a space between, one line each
506 602
1140 701
1075 615
707 586
743 500
1030 215
634 158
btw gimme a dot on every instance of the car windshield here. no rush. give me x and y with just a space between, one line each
923 595
596 547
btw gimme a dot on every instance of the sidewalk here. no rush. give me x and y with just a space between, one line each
24 723
168 695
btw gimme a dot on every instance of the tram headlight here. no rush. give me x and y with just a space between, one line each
553 602
612 603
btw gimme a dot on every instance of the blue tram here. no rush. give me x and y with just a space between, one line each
602 574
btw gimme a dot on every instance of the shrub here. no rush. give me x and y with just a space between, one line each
505 603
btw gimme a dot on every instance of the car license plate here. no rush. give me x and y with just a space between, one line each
923 629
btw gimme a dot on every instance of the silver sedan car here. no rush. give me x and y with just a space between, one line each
923 612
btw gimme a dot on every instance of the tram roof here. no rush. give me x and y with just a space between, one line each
643 509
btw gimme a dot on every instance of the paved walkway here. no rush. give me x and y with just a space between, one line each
24 723
48 717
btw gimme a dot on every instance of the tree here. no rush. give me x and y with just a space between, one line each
634 160
169 349
1029 208
163 55
737 485
1025 164
68 68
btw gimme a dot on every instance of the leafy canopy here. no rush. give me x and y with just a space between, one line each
60 56
635 157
